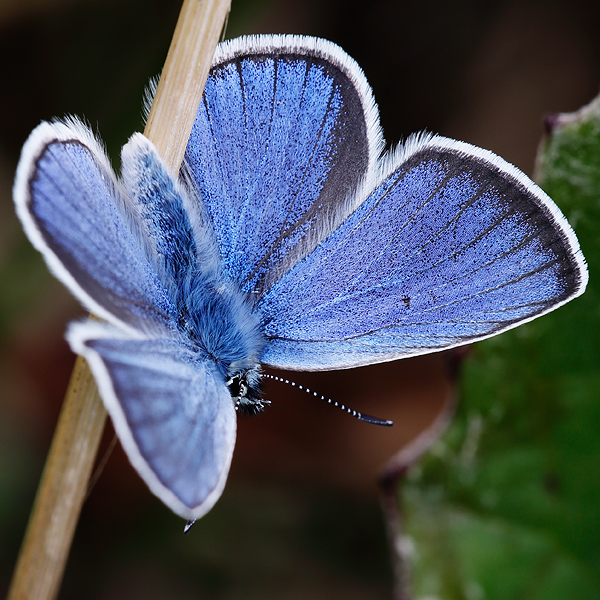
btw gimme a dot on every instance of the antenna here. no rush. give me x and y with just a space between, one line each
360 416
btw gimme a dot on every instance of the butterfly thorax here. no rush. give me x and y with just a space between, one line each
219 324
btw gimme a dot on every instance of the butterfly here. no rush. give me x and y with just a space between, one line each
288 240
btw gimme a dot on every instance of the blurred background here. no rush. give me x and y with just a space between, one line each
300 514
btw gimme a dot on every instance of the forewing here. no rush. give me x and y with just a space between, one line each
171 410
72 210
455 245
286 131
174 230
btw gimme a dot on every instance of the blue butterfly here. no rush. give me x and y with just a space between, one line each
287 240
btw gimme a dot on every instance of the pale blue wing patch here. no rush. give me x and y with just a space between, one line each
71 206
174 229
171 409
455 245
286 132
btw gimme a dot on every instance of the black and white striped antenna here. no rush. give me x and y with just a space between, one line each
360 416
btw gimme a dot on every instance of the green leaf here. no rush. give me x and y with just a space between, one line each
507 505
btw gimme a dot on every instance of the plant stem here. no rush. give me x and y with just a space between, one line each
184 75
43 555
61 491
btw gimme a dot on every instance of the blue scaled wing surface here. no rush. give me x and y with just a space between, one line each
121 246
172 412
349 258
74 211
453 245
286 132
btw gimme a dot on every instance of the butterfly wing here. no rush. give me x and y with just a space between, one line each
176 234
286 131
172 412
74 213
123 249
454 245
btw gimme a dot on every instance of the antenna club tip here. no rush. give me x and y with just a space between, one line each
375 420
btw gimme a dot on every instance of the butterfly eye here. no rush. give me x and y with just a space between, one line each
236 386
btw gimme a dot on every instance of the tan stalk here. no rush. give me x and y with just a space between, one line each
43 556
